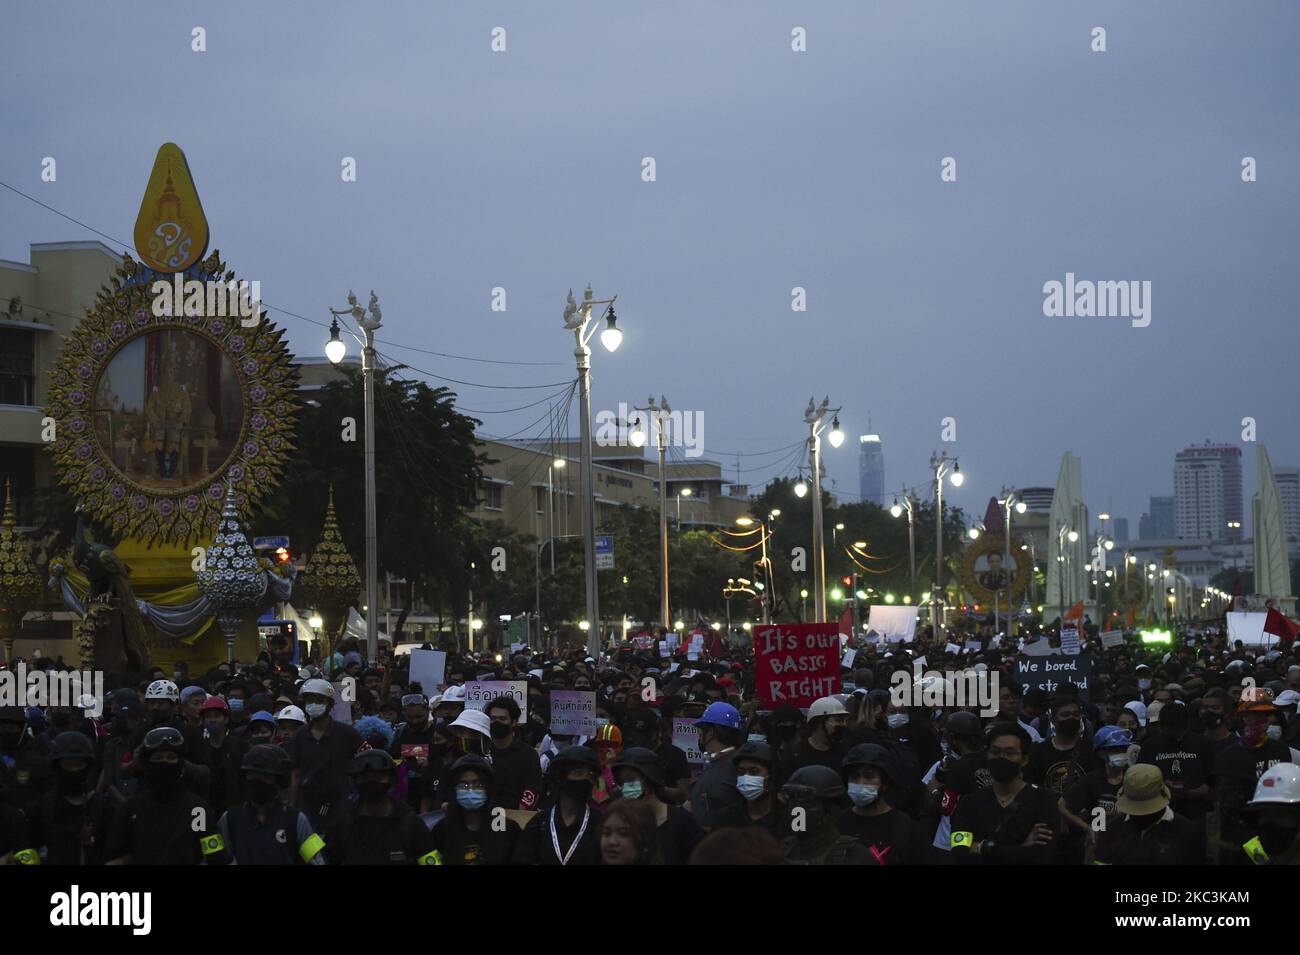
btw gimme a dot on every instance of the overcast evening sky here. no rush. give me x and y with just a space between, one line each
775 169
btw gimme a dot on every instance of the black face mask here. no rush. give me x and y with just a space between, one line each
835 734
1069 728
1003 770
1211 720
373 790
501 730
71 783
261 791
813 818
163 778
579 790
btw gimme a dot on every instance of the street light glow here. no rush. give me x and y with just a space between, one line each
897 509
957 477
800 489
334 348
1072 536
836 436
1021 507
745 521
612 336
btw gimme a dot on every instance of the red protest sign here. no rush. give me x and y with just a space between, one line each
796 663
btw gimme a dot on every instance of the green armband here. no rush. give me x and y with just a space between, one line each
430 858
966 839
311 847
28 857
1255 849
211 845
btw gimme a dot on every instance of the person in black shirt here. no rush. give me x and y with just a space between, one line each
322 754
640 776
888 834
223 753
24 762
1060 761
1239 769
1099 789
567 832
264 830
413 745
1186 760
474 830
73 822
642 728
828 721
378 829
1011 822
1144 830
515 764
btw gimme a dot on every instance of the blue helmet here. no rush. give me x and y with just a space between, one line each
721 714
1112 737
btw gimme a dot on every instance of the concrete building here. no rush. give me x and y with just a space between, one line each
1158 522
1288 485
1207 492
1120 525
871 469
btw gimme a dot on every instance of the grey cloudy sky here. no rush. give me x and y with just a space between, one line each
775 169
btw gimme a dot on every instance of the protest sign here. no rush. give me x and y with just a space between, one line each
846 661
645 642
573 712
1054 671
974 646
952 648
429 669
663 649
479 693
687 738
1069 640
1112 638
894 623
1037 648
345 691
1249 629
796 663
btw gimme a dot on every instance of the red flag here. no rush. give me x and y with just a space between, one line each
1075 612
1132 616
1278 625
846 622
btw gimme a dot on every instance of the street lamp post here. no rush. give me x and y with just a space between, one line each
335 350
1009 500
910 503
577 319
556 465
813 417
657 413
939 463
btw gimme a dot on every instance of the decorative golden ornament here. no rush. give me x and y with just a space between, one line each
171 231
984 577
20 582
330 579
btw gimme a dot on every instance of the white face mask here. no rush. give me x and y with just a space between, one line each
1274 732
895 720
1116 760
315 710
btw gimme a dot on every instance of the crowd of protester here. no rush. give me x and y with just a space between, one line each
1176 754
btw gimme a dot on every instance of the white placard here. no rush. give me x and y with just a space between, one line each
892 622
847 660
952 648
1249 629
1112 638
429 669
1039 648
1069 640
479 693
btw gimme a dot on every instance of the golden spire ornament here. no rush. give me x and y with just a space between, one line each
20 582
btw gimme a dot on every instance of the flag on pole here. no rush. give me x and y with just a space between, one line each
846 622
1075 612
1277 624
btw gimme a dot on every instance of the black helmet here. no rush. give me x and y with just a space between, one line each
759 752
369 760
271 760
870 754
575 756
473 761
964 723
644 761
163 738
72 745
813 782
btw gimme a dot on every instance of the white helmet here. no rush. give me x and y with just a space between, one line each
162 690
827 706
453 694
475 720
1281 784
292 713
318 688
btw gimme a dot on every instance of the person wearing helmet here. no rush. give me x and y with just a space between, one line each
413 743
1011 822
71 823
224 753
755 765
264 830
322 754
810 805
1277 802
261 729
167 823
828 721
1093 797
643 727
868 772
288 722
960 771
516 766
567 830
474 829
375 828
715 800
1185 759
1238 770
640 775
1144 829
450 704
24 763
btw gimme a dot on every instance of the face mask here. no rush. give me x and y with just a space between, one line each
1275 732
471 799
579 790
373 790
632 790
261 739
261 791
835 733
1069 727
1144 684
751 787
814 817
756 738
863 795
1212 720
215 730
501 730
236 705
315 710
1116 760
1003 770
896 720
70 783
163 777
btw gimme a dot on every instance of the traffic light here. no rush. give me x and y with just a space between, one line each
282 555
848 580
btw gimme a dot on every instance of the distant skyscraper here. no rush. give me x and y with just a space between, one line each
1158 522
1288 485
871 469
1121 529
1207 492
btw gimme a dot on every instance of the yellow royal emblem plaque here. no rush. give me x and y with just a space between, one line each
171 232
